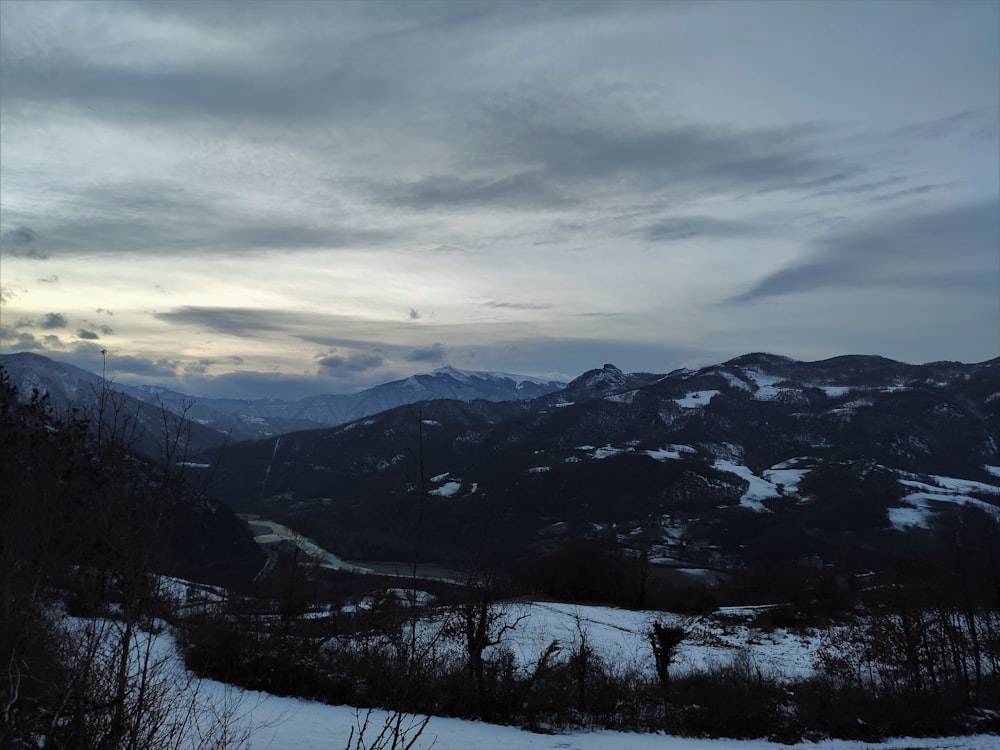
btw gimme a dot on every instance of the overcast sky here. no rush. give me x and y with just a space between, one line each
278 199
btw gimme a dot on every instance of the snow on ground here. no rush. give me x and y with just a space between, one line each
758 489
767 389
994 470
670 452
924 496
448 489
607 451
619 637
281 723
696 399
290 724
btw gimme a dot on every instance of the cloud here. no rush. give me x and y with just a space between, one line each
338 365
201 366
22 242
87 335
432 353
496 305
948 248
53 279
690 227
142 366
414 315
50 321
235 321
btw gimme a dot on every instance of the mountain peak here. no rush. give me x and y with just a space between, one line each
607 379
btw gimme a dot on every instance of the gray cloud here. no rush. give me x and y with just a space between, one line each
949 247
690 227
235 321
83 333
142 366
147 216
498 305
432 353
50 321
339 365
201 366
22 242
526 190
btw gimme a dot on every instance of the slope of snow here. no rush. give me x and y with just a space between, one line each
448 489
696 399
669 452
758 489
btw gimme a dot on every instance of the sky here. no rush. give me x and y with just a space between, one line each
281 199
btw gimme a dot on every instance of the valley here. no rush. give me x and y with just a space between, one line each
813 546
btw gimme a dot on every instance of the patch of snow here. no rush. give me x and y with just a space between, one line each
696 399
833 391
607 452
560 404
585 447
440 477
448 489
622 398
758 489
431 422
965 485
735 382
669 452
902 518
539 469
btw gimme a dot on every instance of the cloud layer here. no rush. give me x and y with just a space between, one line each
335 194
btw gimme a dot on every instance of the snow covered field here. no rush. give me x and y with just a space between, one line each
289 724
279 723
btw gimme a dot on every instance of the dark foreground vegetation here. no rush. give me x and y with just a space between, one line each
88 530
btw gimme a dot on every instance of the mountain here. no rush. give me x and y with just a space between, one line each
249 419
152 430
758 457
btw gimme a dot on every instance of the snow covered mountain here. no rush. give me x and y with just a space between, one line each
755 457
249 419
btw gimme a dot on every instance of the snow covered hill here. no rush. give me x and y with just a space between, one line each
748 458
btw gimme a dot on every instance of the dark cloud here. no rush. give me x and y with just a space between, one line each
83 333
22 242
526 190
53 279
690 227
106 330
50 321
432 353
142 366
235 321
497 305
338 365
147 216
201 366
414 315
954 247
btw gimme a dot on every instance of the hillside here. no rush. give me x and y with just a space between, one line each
761 457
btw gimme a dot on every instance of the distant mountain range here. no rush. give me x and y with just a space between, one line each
245 419
757 457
